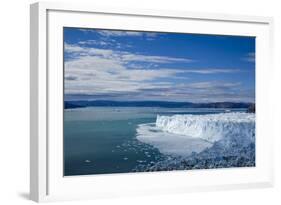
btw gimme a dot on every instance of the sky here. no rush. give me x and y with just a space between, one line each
153 66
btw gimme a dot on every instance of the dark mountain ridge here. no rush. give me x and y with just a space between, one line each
165 104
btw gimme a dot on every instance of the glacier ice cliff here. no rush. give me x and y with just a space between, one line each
212 127
184 134
202 141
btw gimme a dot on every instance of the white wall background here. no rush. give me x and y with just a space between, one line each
14 102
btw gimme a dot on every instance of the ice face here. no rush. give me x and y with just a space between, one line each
184 134
212 127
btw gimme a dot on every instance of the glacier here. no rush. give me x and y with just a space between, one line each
185 134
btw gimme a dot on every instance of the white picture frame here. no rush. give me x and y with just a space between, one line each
47 182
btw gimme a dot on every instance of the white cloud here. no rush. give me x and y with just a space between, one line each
121 55
206 91
111 33
214 85
153 59
212 71
95 42
104 43
86 51
103 71
107 72
250 57
69 48
119 33
96 74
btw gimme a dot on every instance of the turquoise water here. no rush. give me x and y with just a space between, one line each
102 140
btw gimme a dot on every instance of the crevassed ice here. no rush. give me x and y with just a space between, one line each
184 134
211 127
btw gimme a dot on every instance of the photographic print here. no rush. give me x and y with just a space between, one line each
142 101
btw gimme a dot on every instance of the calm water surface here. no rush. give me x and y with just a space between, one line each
102 140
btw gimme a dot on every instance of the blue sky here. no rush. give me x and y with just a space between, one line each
130 65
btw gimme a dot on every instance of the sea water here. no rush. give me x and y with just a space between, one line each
104 140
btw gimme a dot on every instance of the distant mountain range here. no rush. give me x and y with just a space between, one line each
107 103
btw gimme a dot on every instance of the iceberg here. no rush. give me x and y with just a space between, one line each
184 134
